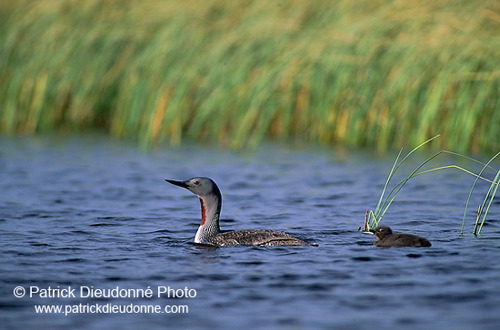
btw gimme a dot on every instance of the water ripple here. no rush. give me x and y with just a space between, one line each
97 212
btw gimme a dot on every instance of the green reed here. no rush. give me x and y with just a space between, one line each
373 217
372 73
484 208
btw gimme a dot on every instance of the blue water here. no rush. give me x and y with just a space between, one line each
82 212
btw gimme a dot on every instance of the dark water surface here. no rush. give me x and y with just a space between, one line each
77 213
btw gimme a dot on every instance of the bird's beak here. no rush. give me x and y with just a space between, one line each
177 183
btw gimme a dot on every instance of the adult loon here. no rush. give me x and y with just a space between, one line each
209 232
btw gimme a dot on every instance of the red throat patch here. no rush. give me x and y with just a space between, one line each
203 212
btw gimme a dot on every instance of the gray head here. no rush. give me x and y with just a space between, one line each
199 186
382 231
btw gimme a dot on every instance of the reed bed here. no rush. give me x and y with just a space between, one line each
376 73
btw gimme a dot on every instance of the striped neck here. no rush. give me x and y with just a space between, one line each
210 212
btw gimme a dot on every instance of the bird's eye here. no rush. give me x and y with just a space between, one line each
196 182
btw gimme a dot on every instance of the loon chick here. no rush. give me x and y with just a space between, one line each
386 238
209 232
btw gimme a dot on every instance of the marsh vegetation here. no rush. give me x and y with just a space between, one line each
381 74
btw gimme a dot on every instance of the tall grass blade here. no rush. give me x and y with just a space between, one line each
472 190
383 204
488 200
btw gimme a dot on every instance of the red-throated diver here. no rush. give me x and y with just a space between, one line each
209 231
386 238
